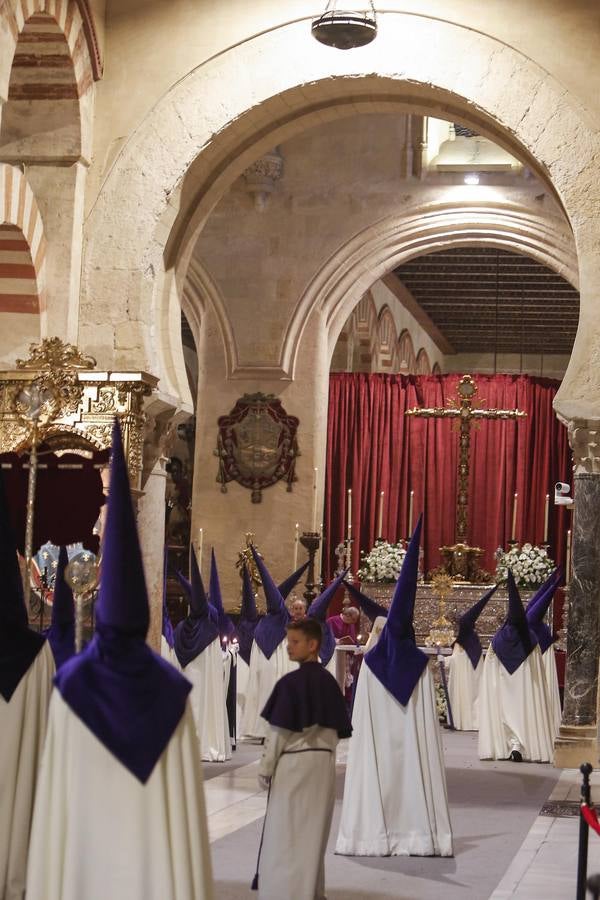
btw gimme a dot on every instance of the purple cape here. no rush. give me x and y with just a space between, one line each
61 634
248 617
308 696
467 637
19 645
129 698
198 630
395 659
514 640
271 630
538 607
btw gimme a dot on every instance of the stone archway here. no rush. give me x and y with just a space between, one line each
445 69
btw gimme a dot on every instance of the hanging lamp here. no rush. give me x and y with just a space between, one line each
344 30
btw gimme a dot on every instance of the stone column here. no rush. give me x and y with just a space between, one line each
578 738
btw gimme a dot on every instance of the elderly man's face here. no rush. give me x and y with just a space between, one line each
350 615
298 610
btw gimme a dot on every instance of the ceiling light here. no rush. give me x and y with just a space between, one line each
472 178
344 30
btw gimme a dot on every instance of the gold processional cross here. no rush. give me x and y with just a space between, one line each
467 415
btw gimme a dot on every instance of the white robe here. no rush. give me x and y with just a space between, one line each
463 689
242 689
395 799
207 699
22 732
167 652
98 832
263 675
549 660
299 811
514 710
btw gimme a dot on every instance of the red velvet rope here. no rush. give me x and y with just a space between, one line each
591 817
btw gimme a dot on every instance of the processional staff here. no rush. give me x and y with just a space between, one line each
466 414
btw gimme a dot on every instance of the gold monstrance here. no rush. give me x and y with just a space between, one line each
460 559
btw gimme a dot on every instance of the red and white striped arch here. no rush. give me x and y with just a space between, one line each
387 340
22 246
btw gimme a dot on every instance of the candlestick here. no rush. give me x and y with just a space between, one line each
200 543
546 511
410 512
296 539
314 511
514 518
349 514
380 516
568 559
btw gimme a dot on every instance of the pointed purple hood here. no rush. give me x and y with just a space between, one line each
248 617
514 640
538 607
395 659
225 625
19 645
286 587
271 630
318 610
213 612
370 608
128 697
467 637
198 630
61 634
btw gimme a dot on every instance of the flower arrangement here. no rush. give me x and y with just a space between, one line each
440 703
382 563
530 565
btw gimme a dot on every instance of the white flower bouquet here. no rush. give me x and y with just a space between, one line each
382 563
530 565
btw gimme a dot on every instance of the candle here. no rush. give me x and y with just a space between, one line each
514 518
314 511
410 512
200 542
380 516
349 514
546 511
296 540
568 560
320 556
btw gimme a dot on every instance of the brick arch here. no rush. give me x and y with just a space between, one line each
423 365
386 343
407 361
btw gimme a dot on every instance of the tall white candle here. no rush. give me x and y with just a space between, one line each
349 514
546 511
380 516
568 559
314 509
296 542
411 501
513 531
200 543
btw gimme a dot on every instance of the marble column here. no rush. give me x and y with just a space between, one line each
578 738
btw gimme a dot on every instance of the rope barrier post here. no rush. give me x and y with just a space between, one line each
586 770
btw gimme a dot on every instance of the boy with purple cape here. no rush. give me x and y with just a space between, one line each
395 800
465 667
26 671
306 717
515 719
119 810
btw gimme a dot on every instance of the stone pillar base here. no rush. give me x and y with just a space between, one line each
576 744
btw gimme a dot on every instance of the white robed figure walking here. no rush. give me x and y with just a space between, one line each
536 610
269 659
306 716
197 647
120 809
395 799
465 667
26 672
515 719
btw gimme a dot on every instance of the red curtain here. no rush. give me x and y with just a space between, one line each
372 446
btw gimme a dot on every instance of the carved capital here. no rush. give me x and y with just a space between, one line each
262 175
584 438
